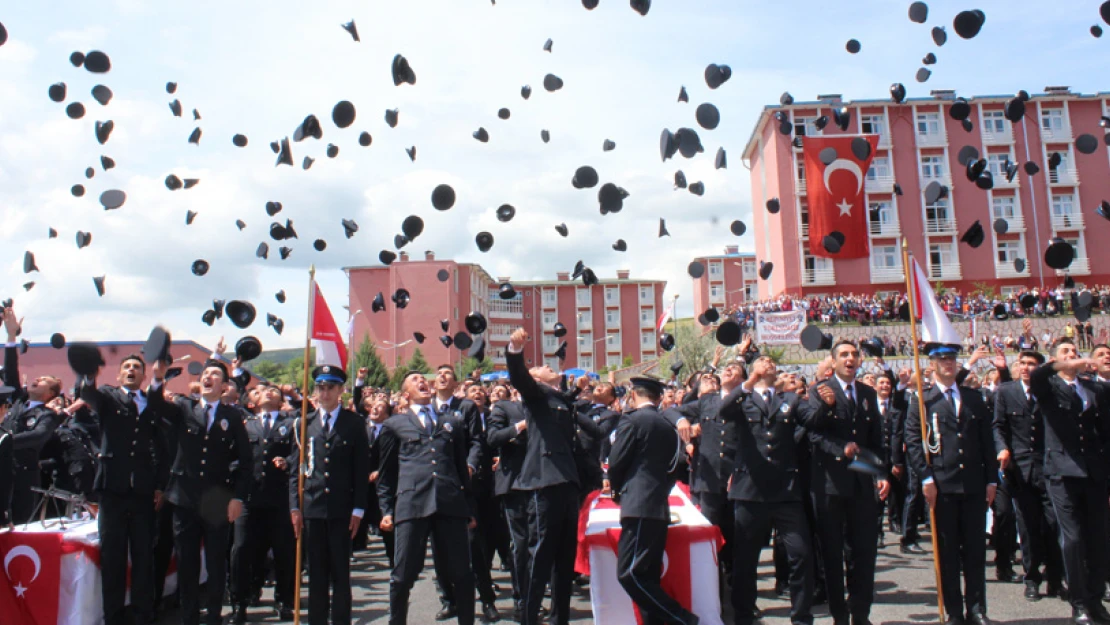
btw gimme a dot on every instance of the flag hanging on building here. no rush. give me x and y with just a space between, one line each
935 326
667 314
330 346
836 171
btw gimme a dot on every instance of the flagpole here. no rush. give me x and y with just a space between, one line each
921 412
304 428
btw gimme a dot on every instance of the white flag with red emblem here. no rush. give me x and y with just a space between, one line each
935 326
667 314
331 349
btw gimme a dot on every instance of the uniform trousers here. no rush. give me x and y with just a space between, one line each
257 531
450 553
190 529
1080 508
961 529
847 533
1004 530
639 570
718 510
1038 530
515 506
328 545
552 542
754 519
126 527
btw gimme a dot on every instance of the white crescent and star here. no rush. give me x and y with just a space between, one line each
851 167
30 554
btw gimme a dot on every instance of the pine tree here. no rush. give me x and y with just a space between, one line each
367 356
418 362
468 365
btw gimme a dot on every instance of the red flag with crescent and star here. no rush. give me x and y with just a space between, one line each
32 564
835 178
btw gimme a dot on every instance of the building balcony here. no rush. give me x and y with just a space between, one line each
886 229
998 138
932 139
818 277
944 179
1063 176
647 323
1067 221
884 141
1000 181
887 275
499 337
1009 271
582 305
1079 267
550 349
585 326
879 184
947 271
506 314
1056 135
498 361
549 326
800 185
803 230
550 305
613 325
940 226
1016 223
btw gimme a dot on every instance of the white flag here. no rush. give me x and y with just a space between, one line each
935 326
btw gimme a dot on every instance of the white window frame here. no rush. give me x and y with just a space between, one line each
647 315
805 127
994 122
886 255
946 251
550 297
647 339
928 124
716 292
613 339
1052 119
1004 207
1063 204
612 318
550 342
1007 251
932 166
996 163
612 295
877 122
586 362
716 269
647 294
583 297
880 168
613 361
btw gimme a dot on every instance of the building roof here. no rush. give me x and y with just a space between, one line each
576 282
553 282
741 255
473 266
949 96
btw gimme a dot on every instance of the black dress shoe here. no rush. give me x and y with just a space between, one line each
978 618
757 613
954 620
490 613
912 549
1079 616
1006 576
1099 613
518 614
240 616
782 590
1031 593
285 613
448 612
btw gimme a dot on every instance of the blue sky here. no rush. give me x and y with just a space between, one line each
258 68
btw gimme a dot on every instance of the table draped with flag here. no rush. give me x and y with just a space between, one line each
52 575
689 564
836 172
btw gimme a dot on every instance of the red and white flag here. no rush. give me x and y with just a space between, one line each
835 193
935 326
667 314
330 346
31 575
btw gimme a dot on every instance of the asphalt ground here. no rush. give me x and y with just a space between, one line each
905 594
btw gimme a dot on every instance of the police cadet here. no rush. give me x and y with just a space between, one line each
422 483
265 522
31 423
336 478
507 434
1077 439
646 452
1019 440
204 487
959 481
846 501
7 461
765 486
127 473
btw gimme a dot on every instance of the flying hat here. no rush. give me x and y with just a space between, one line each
84 358
506 291
666 342
57 340
721 160
695 269
505 213
765 269
552 83
280 296
682 95
707 116
867 461
413 226
711 315
729 333
484 241
157 346
462 340
561 353
610 197
968 23
386 257
974 235
248 348
559 329
200 267
897 92
585 177
477 348
697 188
419 337
717 75
663 232
853 46
813 339
999 312
935 191
738 228
475 323
1059 254
1086 144
679 180
482 135
562 229
1019 265
401 298
689 143
240 313
608 146
443 275
98 282
620 246
773 206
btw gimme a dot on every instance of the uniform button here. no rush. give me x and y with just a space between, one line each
433 461
325 460
202 460
136 430
959 436
434 473
327 490
722 455
326 474
961 466
132 454
204 450
433 450
768 446
722 443
202 473
853 431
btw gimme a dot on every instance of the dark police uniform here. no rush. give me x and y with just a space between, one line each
962 470
1075 467
7 470
127 474
203 481
32 425
846 501
422 484
373 510
1019 428
646 451
550 475
766 492
511 447
337 477
265 522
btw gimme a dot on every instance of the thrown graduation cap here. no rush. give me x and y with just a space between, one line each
401 298
107 162
668 144
663 228
729 333
968 23
919 12
400 240
813 339
503 113
679 180
561 353
738 228
711 315
343 114
83 239
505 213
412 226
1019 265
97 62
240 313
861 148
189 217
967 154
765 269
832 243
378 304
1086 144
707 116
1069 282
444 324
84 358
585 177
682 95
608 146
935 191
351 28
1059 254
484 241
611 198
29 262
285 251
412 153
263 250
545 136
1028 301
447 340
526 92
589 278
552 83
418 337
157 346
717 75
57 340
697 188
319 245
872 347
1001 226
482 135
1103 210
773 206
1015 110
274 322
349 227
240 141
689 143
897 92
975 169
923 74
402 71
285 153
721 160
960 109
209 318
104 130
443 275
620 246
57 92
112 199
868 462
273 208
200 267
974 235
75 110
386 257
1054 161
562 230
842 117
985 181
194 137
462 340
695 269
248 348
666 342
930 59
853 46
364 139
102 94
475 323
1031 168
443 197
1000 313
940 36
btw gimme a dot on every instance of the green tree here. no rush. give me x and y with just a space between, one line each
692 348
469 365
416 363
270 370
986 290
627 362
367 356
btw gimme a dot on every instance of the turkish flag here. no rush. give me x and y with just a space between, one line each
835 177
32 564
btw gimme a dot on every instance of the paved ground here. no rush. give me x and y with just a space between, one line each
905 587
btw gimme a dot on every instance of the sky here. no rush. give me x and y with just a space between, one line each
259 68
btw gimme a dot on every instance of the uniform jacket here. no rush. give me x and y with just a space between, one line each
31 428
7 476
967 462
715 453
1019 428
421 475
269 484
646 451
550 457
768 437
131 452
504 442
336 466
1075 438
830 429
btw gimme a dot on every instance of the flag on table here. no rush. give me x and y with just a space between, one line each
330 346
935 326
667 314
835 177
31 575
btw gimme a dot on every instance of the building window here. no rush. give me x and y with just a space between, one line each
583 319
749 269
1052 120
586 362
800 169
928 124
803 218
873 125
550 342
804 127
996 163
613 361
1008 251
932 166
582 296
549 319
1062 205
612 318
612 296
1075 242
550 297
647 339
715 270
613 340
553 362
885 257
647 295
941 255
716 292
882 217
647 315
749 292
994 122
880 168
1002 207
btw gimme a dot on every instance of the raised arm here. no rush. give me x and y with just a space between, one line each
500 430
519 376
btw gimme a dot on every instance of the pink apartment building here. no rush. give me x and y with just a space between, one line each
605 322
730 279
919 143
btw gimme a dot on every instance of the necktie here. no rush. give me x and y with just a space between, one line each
886 407
767 397
327 425
269 422
1076 395
951 393
211 412
429 422
850 391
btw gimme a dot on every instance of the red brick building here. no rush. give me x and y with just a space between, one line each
605 323
42 359
730 279
918 143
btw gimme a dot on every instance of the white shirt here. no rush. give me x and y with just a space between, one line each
955 391
329 419
1082 392
425 412
210 409
844 386
139 397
